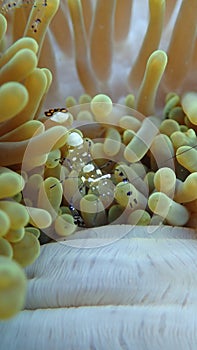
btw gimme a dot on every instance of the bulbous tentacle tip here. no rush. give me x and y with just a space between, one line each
155 67
13 285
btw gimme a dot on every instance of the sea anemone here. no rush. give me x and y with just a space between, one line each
23 86
104 59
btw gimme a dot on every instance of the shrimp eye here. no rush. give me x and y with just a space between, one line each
129 193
